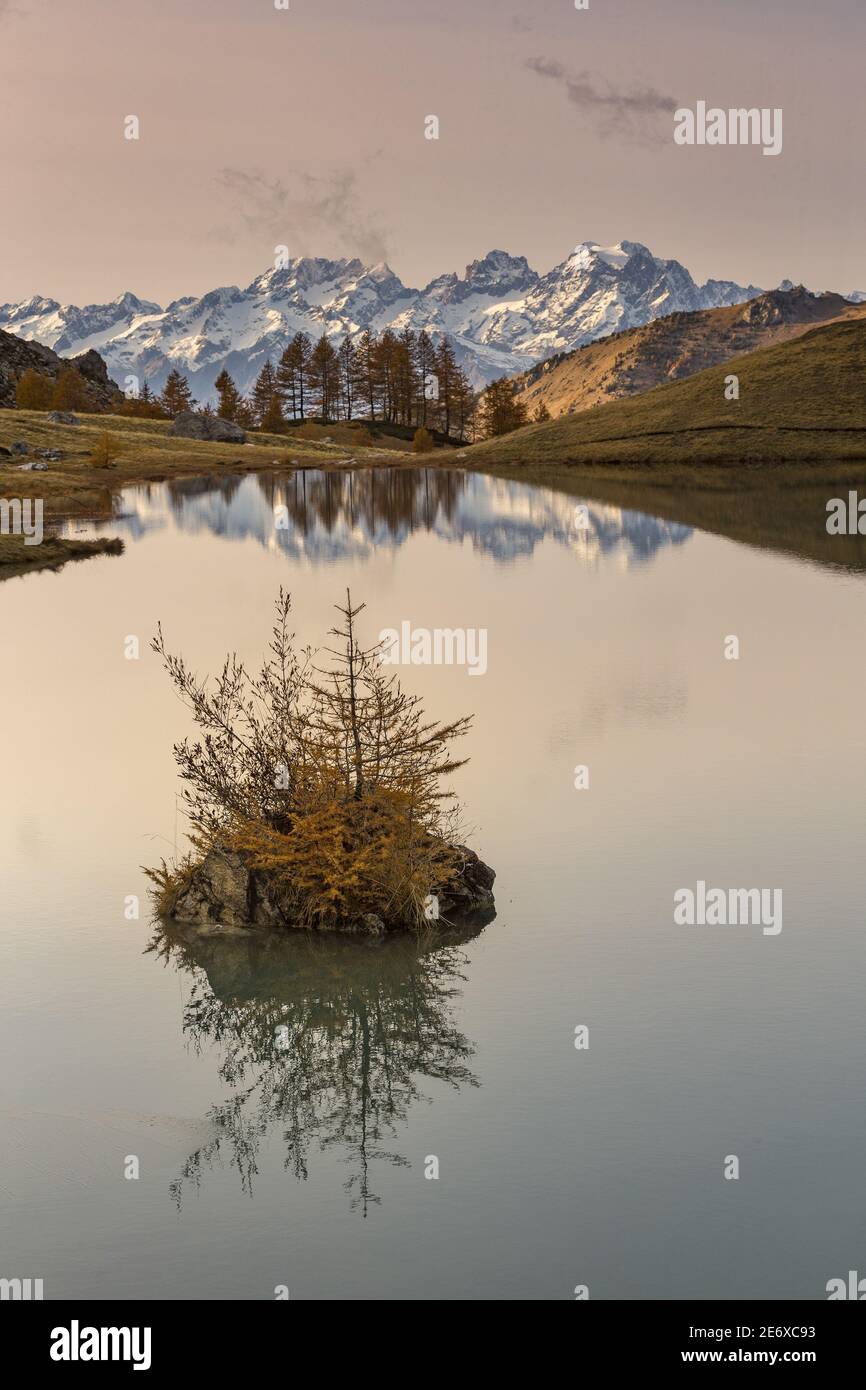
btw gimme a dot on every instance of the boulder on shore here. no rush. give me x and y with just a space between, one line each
191 425
222 890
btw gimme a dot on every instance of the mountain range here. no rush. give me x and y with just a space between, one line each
501 315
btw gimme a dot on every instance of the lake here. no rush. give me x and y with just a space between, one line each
283 1099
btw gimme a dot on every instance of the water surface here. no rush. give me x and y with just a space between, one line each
298 1157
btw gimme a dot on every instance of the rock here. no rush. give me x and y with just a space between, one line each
190 425
62 417
18 356
53 454
4 452
223 892
372 925
473 890
33 467
19 447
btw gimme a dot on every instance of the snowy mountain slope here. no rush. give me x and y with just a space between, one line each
501 314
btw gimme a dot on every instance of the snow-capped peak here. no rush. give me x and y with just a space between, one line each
501 315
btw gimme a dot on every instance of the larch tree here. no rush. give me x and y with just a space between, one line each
323 375
228 395
501 411
33 391
176 396
264 390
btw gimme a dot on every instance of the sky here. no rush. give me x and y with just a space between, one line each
305 127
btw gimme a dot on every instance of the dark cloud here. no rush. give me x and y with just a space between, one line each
306 212
630 112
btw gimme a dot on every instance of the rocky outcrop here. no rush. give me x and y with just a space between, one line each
223 892
18 356
190 425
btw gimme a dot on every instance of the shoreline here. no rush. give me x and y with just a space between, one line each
773 505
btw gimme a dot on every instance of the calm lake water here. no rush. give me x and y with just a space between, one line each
305 1165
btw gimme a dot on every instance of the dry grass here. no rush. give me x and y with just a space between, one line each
803 400
671 349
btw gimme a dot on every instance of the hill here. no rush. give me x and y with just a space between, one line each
18 356
802 399
674 347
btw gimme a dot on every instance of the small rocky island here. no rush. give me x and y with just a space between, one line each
316 799
222 891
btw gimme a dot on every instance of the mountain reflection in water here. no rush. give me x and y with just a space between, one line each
326 1042
325 516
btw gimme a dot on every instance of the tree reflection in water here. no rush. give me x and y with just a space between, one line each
331 1039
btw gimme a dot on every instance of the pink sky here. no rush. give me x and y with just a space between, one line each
306 127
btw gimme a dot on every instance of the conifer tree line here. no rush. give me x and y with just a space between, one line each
389 378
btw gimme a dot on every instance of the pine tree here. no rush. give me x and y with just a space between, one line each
324 378
264 391
273 420
292 376
287 382
446 370
501 411
466 405
541 413
245 416
366 358
229 396
425 368
176 396
407 376
349 376
386 370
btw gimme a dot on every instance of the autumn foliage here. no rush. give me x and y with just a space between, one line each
327 776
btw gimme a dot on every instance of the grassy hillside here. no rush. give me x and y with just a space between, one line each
672 348
804 399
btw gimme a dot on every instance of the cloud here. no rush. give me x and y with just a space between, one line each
616 111
308 214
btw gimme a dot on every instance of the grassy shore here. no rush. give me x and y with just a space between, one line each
781 509
759 469
74 486
52 553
